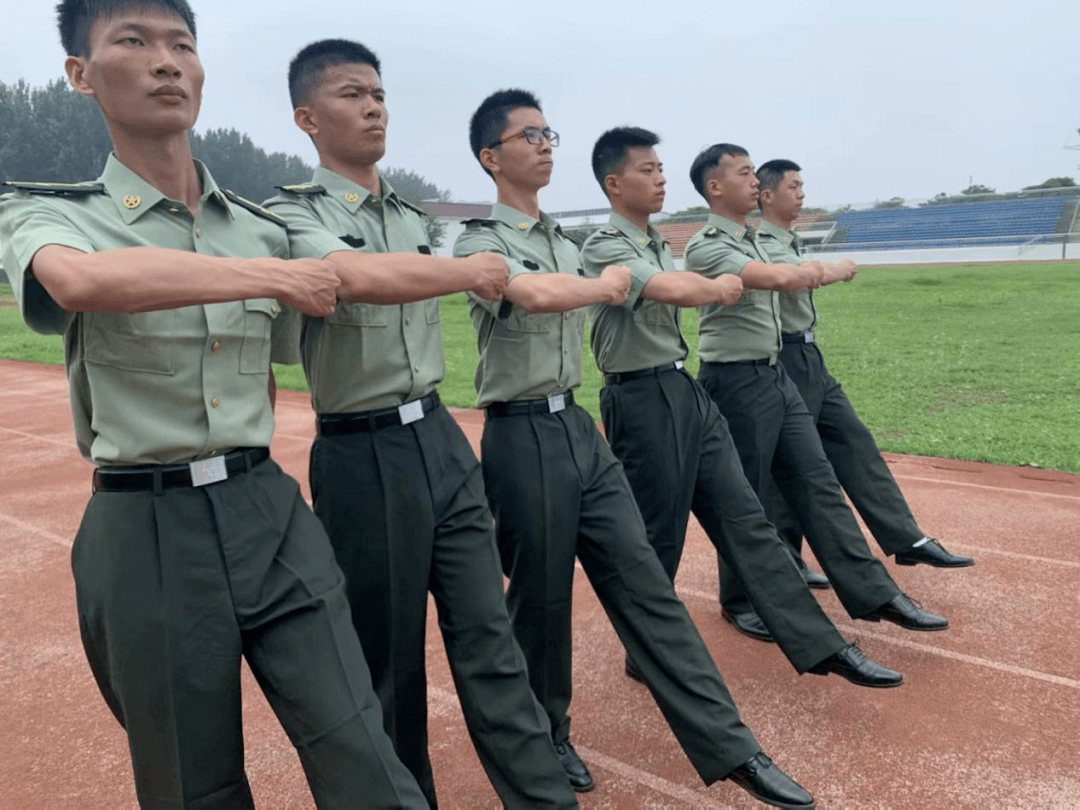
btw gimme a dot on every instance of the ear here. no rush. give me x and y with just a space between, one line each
765 196
713 188
75 67
489 160
611 185
303 118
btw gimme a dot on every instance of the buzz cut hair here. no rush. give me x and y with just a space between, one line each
709 159
611 149
75 18
489 121
771 173
307 67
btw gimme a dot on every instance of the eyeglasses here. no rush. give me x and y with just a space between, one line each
533 135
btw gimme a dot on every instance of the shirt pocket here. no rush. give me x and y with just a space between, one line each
653 313
753 298
259 314
359 315
142 341
431 309
521 320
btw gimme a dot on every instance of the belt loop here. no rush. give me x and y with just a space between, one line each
371 422
158 488
247 460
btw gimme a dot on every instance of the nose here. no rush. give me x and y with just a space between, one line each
165 63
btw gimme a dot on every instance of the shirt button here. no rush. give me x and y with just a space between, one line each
215 402
416 367
216 346
198 233
406 321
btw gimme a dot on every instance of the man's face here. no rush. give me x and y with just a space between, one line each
639 184
143 71
786 200
736 183
348 111
520 163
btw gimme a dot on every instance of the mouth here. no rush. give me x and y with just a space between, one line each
170 91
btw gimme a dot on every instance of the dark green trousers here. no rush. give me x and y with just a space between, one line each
775 436
174 589
853 453
558 492
407 515
679 457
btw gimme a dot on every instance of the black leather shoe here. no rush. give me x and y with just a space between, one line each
851 663
814 579
763 780
579 776
633 673
932 553
749 624
903 611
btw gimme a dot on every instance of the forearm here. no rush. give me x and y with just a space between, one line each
556 292
682 289
399 278
837 272
780 277
142 279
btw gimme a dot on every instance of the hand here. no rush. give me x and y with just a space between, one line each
616 279
491 275
311 287
815 274
730 289
848 269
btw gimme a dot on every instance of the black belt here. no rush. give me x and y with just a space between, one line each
764 361
627 376
171 476
523 406
341 424
798 337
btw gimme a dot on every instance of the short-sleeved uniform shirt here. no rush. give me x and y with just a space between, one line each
523 355
639 333
155 387
749 329
365 356
797 313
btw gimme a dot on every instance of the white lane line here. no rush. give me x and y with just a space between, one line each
447 703
974 660
66 442
30 527
953 482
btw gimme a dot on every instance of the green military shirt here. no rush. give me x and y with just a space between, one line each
750 328
639 333
365 356
797 313
523 355
154 387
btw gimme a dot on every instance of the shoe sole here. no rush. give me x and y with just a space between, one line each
916 628
757 637
775 803
586 789
913 563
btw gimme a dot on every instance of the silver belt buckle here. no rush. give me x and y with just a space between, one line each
411 411
679 364
208 471
556 403
808 337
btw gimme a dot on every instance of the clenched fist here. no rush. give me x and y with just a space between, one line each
491 275
311 286
729 289
815 274
616 280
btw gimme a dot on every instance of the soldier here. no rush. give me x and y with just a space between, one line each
555 488
393 478
771 426
849 446
195 550
672 441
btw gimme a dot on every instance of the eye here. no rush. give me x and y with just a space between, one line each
131 41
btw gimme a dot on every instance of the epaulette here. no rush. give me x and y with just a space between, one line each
413 206
255 208
303 188
486 223
713 231
611 230
58 189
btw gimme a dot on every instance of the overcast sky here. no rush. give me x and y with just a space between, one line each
874 100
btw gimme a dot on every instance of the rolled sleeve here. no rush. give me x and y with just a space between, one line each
308 236
26 226
481 239
599 253
713 258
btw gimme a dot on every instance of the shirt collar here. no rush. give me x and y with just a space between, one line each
641 238
785 237
734 229
519 221
352 195
133 196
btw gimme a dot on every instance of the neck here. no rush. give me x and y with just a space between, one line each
164 163
363 174
720 209
639 218
524 200
777 220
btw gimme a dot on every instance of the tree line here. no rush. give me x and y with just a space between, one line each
52 134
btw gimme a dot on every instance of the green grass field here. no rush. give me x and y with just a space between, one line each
961 361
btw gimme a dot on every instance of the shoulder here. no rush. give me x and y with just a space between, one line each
303 189
476 222
255 208
56 189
